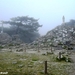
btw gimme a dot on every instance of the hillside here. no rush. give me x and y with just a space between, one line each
63 32
60 34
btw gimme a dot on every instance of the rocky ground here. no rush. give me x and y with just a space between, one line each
31 62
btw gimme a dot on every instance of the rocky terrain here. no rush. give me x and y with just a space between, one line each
5 38
59 35
18 58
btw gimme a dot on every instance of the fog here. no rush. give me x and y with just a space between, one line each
49 12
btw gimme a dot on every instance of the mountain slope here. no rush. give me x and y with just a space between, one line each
62 33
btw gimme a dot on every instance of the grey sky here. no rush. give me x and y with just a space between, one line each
49 12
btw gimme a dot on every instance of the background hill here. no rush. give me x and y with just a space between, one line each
60 34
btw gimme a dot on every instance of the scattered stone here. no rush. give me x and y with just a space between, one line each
41 62
60 57
20 66
23 59
30 66
14 62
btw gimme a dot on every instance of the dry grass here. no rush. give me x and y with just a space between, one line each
31 64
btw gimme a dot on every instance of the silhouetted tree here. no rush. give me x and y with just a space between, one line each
26 27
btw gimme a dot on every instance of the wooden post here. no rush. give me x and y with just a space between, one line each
45 67
59 55
25 49
38 47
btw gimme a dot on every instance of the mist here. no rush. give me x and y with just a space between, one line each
49 12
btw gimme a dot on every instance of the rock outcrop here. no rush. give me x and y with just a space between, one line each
5 38
60 34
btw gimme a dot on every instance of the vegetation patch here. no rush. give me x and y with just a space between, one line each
35 59
34 64
64 58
